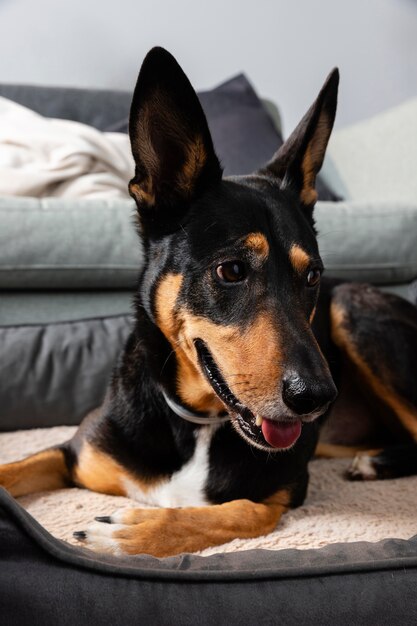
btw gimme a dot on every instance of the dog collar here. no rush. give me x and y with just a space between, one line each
181 411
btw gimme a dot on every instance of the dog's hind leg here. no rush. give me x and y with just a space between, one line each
335 451
392 462
377 332
46 470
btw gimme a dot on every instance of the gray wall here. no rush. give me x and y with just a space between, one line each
286 47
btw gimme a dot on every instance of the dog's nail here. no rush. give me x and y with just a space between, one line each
80 534
106 519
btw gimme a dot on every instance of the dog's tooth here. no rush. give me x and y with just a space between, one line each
258 420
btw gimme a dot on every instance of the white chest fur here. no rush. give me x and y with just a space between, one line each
185 487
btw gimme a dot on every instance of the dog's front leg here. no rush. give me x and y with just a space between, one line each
166 532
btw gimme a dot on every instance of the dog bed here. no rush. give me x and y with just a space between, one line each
336 510
44 580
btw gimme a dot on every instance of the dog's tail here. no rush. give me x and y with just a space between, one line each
46 470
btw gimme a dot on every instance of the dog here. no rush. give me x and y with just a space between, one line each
239 345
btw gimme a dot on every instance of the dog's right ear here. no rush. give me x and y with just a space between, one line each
171 143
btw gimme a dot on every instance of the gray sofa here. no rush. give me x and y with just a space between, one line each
68 267
67 275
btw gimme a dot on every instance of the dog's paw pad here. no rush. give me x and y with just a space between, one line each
362 468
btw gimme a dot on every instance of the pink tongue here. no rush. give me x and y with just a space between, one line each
281 434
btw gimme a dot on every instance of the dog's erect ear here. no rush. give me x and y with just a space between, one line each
300 158
170 139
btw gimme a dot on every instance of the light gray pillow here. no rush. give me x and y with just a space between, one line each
376 160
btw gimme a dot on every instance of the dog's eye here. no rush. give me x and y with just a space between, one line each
231 271
313 277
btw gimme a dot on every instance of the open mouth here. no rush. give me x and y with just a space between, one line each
262 432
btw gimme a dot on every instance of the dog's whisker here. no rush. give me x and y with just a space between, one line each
210 226
166 360
251 388
233 375
331 232
239 383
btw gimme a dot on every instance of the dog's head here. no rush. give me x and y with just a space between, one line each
232 265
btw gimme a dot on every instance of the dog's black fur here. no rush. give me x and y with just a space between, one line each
229 319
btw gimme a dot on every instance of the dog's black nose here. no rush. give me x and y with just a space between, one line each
305 396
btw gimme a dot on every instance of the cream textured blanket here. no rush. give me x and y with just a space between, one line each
42 157
335 509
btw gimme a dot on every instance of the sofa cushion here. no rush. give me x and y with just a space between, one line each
27 308
63 244
55 243
369 241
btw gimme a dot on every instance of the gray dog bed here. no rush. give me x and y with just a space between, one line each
45 581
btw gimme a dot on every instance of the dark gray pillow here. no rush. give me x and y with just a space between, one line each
104 109
243 132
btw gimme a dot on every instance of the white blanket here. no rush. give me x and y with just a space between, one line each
48 157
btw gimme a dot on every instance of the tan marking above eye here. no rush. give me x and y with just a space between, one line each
258 244
299 258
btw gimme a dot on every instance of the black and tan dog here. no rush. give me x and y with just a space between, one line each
230 368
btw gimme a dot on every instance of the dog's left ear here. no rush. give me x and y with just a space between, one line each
300 158
171 143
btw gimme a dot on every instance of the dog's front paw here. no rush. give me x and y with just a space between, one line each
102 538
131 531
362 468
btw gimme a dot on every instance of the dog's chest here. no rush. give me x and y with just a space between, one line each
185 487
